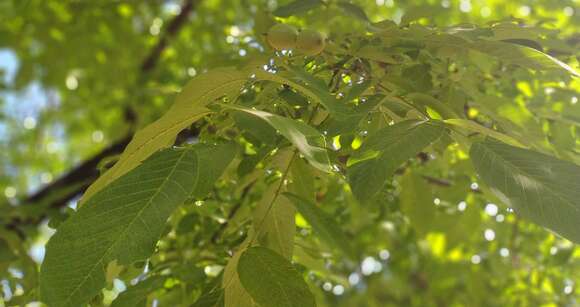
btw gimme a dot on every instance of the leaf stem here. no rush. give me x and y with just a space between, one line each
282 180
276 194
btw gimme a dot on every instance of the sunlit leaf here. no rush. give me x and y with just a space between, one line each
189 106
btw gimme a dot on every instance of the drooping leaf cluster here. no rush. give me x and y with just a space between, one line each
407 164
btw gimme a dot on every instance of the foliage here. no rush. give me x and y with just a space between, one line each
423 158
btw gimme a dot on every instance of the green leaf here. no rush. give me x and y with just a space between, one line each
214 298
296 7
272 281
123 221
561 135
274 226
353 10
523 56
274 214
255 127
322 223
137 294
417 12
293 98
427 101
475 127
385 150
417 202
234 293
310 86
377 53
6 253
303 180
189 106
307 140
539 187
357 90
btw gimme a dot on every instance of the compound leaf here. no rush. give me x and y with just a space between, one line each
123 221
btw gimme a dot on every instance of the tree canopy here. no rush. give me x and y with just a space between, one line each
289 153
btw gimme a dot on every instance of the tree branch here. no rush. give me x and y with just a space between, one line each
85 173
82 172
172 29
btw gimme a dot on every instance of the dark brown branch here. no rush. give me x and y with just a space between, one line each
80 173
437 181
84 174
173 27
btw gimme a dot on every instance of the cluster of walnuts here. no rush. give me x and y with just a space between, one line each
285 37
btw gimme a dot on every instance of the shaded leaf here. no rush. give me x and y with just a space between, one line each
322 223
255 127
417 12
310 86
303 180
137 294
542 188
274 226
428 101
385 150
473 126
123 221
377 53
417 202
307 140
297 7
274 214
272 281
523 56
234 293
293 98
214 298
353 10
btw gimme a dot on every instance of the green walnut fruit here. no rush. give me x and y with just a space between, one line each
310 42
282 36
